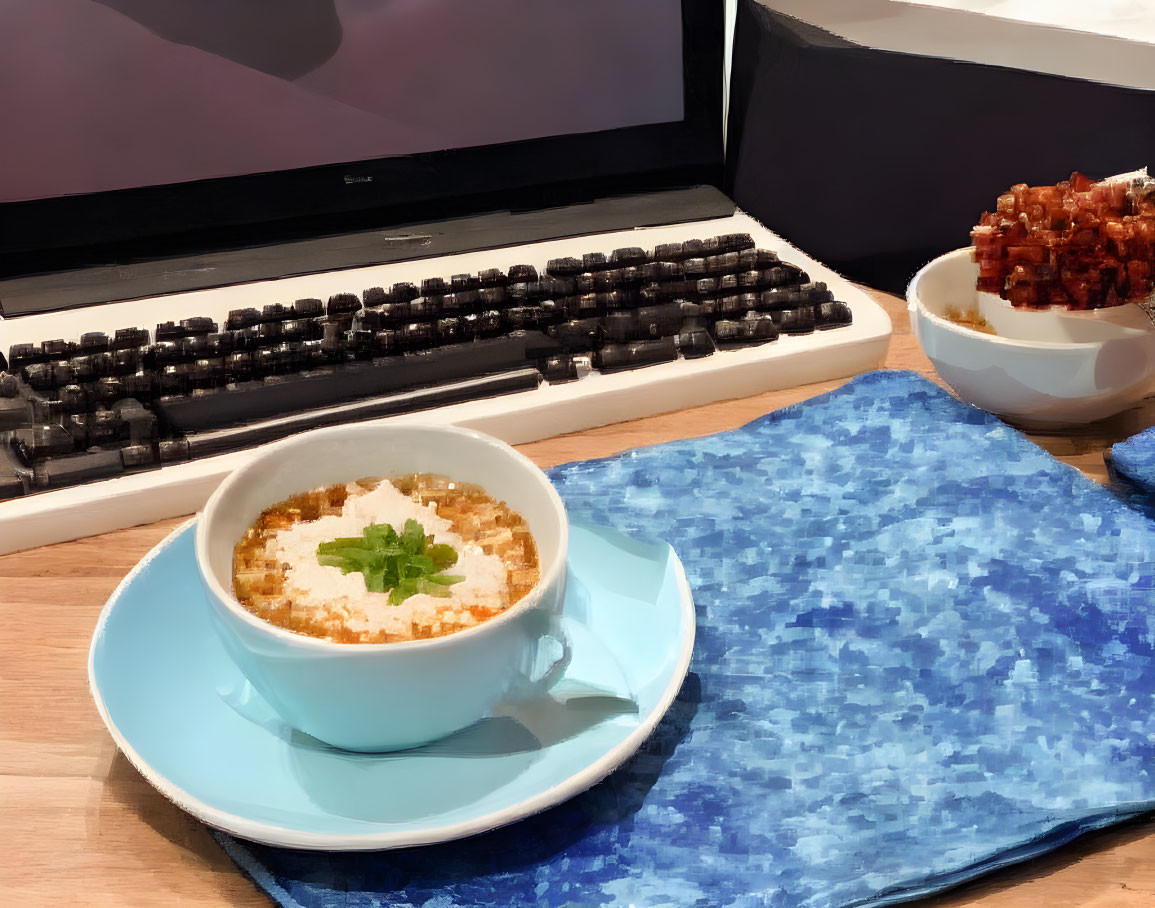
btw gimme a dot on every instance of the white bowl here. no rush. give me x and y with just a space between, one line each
388 696
1049 368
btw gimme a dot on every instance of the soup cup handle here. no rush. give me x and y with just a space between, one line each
554 651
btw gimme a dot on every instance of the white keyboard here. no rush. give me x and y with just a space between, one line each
594 400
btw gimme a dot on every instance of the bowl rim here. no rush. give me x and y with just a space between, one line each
528 602
916 305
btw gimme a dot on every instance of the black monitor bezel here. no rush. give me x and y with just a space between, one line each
230 212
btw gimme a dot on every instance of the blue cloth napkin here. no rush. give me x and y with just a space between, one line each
924 651
1131 463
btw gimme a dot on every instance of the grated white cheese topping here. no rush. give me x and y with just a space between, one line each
324 593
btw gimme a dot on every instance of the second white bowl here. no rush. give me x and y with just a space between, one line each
1048 368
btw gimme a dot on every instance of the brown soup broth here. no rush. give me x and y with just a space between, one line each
258 579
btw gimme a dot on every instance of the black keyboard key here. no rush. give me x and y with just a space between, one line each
593 282
522 274
756 259
559 368
324 387
694 343
595 261
660 321
635 354
492 277
566 266
832 314
93 342
105 391
493 297
129 338
403 292
816 292
385 342
669 252
435 286
781 298
341 304
628 276
138 423
735 242
657 272
269 333
275 312
589 305
218 441
9 386
308 307
238 367
220 344
462 282
448 330
578 335
415 336
39 376
242 318
724 263
208 373
143 385
694 268
646 322
794 321
172 450
784 274
21 356
133 456
374 296
553 287
57 349
167 331
57 472
198 327
754 329
425 308
64 374
175 379
628 255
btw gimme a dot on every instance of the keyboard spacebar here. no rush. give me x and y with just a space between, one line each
283 394
220 441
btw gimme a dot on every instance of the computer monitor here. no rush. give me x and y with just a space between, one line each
145 128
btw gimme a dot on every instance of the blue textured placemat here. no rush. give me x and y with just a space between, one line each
924 651
1131 463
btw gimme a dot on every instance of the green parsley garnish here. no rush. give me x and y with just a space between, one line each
404 565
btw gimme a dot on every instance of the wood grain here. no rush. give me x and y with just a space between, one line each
82 827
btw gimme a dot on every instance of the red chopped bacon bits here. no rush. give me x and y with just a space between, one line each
1079 243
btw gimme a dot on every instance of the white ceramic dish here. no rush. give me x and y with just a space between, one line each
183 714
387 696
1048 369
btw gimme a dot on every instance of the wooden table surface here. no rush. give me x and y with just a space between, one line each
80 826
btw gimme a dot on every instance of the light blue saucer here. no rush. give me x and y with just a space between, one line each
187 719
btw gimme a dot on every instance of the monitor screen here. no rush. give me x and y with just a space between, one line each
116 94
136 125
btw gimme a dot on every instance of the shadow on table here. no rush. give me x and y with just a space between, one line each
127 788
